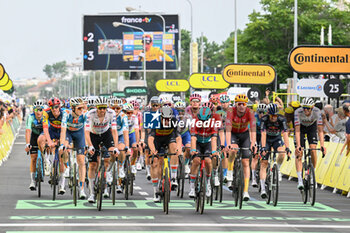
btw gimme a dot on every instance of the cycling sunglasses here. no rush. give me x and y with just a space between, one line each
80 108
118 108
308 108
38 110
195 100
167 104
101 108
55 107
155 105
241 104
129 113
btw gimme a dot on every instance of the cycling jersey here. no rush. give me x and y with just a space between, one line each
156 54
52 120
301 119
139 117
122 123
184 122
204 134
190 112
71 123
35 125
133 123
165 131
274 129
94 125
240 124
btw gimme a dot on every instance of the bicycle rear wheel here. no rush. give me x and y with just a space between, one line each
312 185
235 183
75 184
268 184
126 180
114 182
39 176
166 189
197 189
54 181
221 180
100 188
304 192
212 193
240 186
275 185
202 191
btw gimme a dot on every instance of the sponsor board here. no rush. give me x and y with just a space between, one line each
311 87
172 85
208 81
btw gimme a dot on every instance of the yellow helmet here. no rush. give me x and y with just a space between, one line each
295 104
289 110
241 98
255 107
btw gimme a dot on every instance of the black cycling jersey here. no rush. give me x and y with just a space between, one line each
165 131
274 129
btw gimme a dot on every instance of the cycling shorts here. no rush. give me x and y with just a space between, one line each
311 133
272 142
203 149
96 139
163 141
54 133
78 138
132 138
243 141
186 138
34 143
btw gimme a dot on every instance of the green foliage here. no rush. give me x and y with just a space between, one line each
58 69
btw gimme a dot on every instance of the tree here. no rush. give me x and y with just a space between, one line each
268 37
48 71
58 70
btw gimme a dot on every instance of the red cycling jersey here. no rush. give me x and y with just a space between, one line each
204 132
240 124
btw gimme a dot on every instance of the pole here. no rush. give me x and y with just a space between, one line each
109 82
89 76
190 47
144 60
235 55
94 82
202 52
163 47
295 75
100 82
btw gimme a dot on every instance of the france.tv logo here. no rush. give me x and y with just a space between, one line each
151 120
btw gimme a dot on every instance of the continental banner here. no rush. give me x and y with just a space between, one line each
208 81
320 59
172 85
249 73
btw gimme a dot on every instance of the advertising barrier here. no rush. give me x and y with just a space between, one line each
311 87
7 138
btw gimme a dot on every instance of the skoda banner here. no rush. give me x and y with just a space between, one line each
119 94
311 87
135 91
320 59
172 85
249 73
208 81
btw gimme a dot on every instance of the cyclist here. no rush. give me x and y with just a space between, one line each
307 120
34 127
158 139
272 125
72 129
184 131
90 103
193 109
203 141
260 112
238 119
138 114
52 126
101 127
123 137
134 133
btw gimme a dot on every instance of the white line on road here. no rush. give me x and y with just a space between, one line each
172 225
149 198
20 143
137 188
143 194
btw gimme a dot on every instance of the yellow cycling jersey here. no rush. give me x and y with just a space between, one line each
156 54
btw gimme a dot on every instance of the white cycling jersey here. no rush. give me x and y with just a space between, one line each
301 119
94 125
133 123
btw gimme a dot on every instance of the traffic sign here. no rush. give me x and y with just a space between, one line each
254 94
333 88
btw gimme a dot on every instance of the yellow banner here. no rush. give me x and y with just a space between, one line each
249 73
7 87
2 71
4 80
320 59
208 81
172 85
194 48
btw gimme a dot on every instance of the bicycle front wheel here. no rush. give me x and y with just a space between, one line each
274 185
221 180
114 182
202 191
54 181
75 184
39 176
304 192
312 185
100 188
240 186
166 189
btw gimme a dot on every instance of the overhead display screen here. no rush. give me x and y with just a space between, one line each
116 42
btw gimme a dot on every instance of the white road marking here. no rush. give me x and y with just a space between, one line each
281 226
143 194
20 143
137 188
149 198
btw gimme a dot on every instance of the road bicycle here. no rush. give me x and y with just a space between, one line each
181 176
39 170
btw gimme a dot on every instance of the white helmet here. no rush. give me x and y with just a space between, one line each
261 107
101 100
38 103
180 104
307 102
75 101
128 107
91 100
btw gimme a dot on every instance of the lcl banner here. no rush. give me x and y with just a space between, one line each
208 81
320 59
172 85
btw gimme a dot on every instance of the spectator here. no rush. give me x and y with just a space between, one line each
2 117
327 115
346 108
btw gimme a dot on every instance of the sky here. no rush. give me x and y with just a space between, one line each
39 32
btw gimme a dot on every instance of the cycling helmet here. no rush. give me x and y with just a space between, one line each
261 108
91 101
75 101
180 105
289 110
272 109
241 98
101 100
224 98
295 104
85 99
307 102
128 107
208 105
176 98
165 99
204 113
255 107
38 104
118 102
154 100
196 96
166 112
213 99
135 104
54 101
